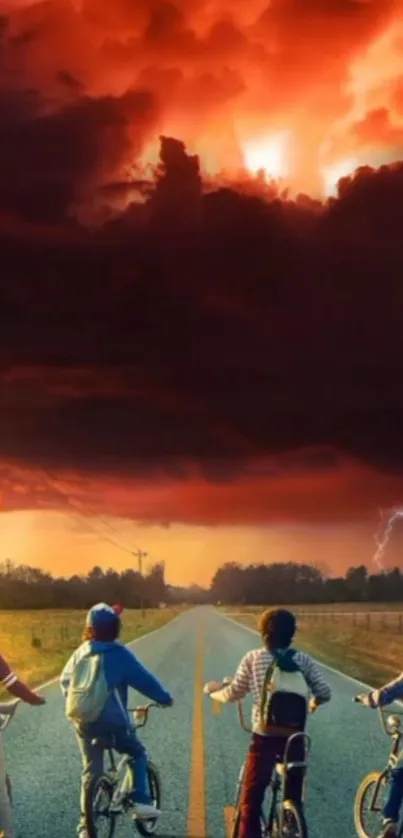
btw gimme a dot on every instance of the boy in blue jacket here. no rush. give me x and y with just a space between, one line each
122 670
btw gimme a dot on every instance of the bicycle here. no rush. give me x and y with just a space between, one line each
286 818
117 783
375 784
7 711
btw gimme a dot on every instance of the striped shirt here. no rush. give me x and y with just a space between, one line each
250 677
7 677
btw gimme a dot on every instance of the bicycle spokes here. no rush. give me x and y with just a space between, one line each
290 826
103 816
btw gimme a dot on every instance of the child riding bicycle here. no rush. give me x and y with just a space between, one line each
380 698
18 689
271 729
95 682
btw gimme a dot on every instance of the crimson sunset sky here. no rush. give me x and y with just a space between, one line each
210 354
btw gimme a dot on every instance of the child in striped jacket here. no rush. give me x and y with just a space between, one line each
277 628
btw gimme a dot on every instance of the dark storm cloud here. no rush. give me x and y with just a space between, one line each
50 157
207 329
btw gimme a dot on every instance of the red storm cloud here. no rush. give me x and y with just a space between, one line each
184 321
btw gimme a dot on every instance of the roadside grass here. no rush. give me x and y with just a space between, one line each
37 644
328 606
371 656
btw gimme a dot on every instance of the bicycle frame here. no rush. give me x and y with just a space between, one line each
7 711
140 717
281 770
391 725
395 732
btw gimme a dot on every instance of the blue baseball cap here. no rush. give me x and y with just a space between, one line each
103 615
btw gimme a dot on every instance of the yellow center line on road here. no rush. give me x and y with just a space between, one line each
196 825
229 813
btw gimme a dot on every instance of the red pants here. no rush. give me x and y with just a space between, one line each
264 752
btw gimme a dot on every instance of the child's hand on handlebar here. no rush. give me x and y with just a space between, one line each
212 687
364 699
313 705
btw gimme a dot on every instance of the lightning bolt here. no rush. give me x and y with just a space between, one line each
384 532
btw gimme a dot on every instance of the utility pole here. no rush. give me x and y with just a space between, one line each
140 555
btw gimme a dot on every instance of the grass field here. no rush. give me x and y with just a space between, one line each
37 644
370 655
333 607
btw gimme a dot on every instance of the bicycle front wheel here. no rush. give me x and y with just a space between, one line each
148 827
100 821
369 804
294 823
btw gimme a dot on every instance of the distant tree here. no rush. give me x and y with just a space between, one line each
357 583
155 586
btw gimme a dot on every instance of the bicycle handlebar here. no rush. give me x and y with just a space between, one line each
140 713
7 711
390 722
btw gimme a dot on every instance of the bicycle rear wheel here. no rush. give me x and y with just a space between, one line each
236 824
100 821
294 823
149 827
369 804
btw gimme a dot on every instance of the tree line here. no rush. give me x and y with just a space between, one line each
22 586
267 584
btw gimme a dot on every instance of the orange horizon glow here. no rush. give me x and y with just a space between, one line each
65 545
323 517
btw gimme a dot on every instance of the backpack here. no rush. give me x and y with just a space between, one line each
285 694
88 690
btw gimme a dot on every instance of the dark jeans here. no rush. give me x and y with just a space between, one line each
124 742
264 752
395 797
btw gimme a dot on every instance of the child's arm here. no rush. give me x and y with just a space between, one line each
386 694
319 688
17 687
239 686
141 679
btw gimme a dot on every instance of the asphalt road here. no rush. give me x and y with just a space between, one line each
197 751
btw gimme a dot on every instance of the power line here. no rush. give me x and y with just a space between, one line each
78 505
104 537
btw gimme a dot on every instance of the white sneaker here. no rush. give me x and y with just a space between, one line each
145 812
